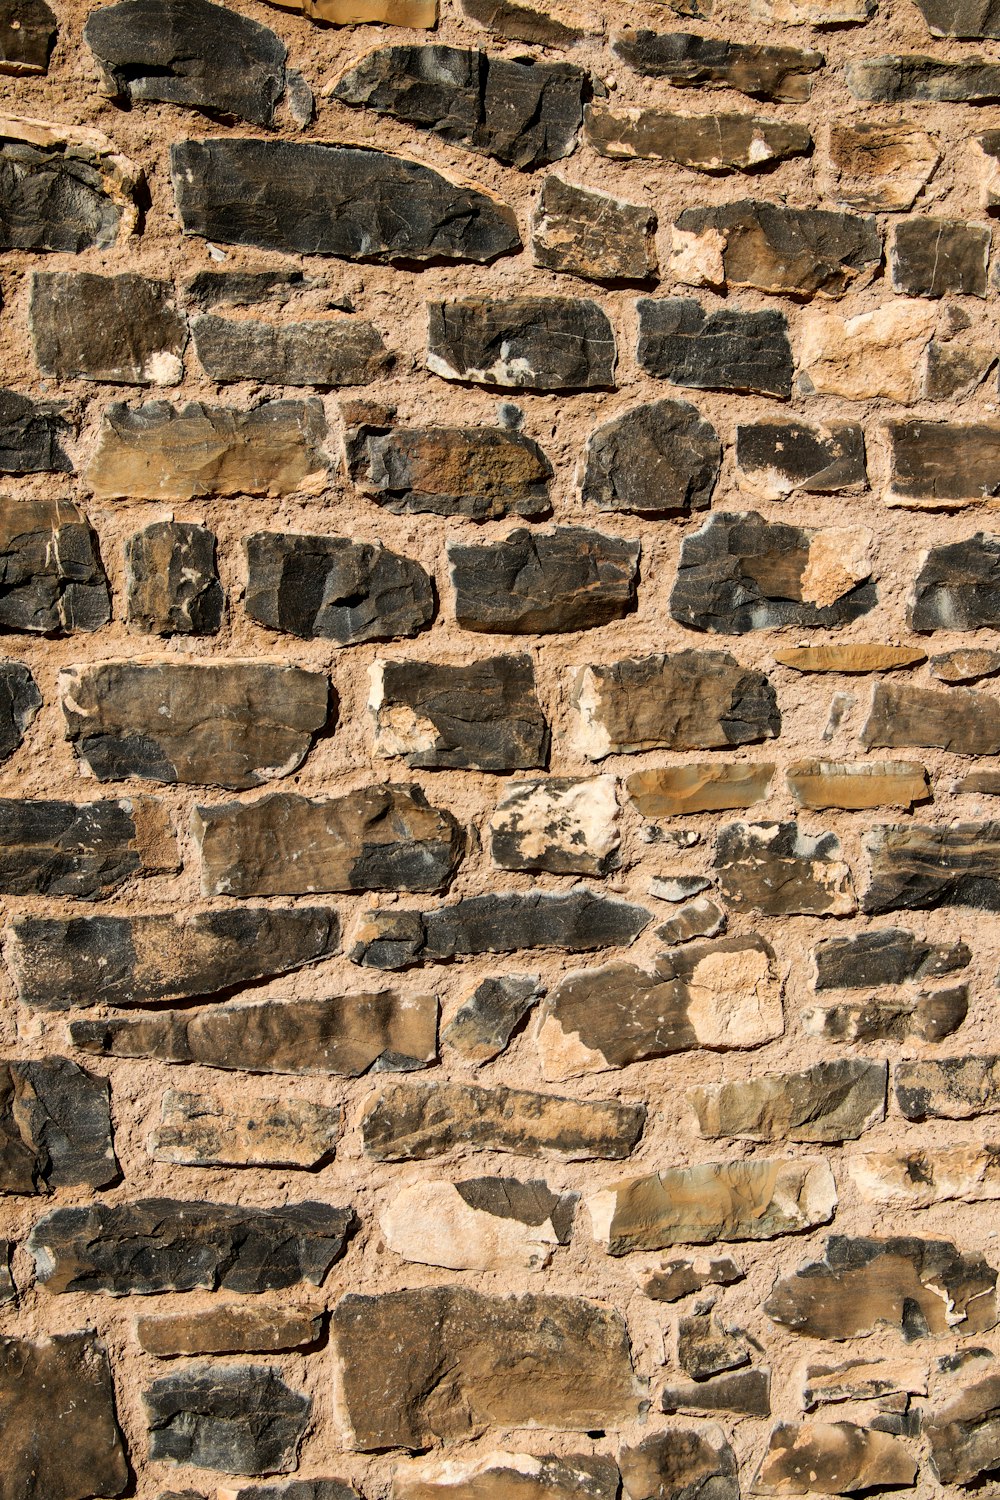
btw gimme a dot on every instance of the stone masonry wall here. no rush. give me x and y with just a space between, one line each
500 737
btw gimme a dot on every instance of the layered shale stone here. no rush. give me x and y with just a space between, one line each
63 188
706 1348
57 1419
958 587
874 355
914 77
702 786
539 583
921 1287
516 1476
857 657
375 839
563 825
862 1380
31 435
229 1329
322 352
662 458
778 869
965 721
482 1027
924 1177
346 1035
202 1130
888 956
874 783
782 459
964 1429
673 1279
699 1205
681 1462
53 580
931 257
231 724
726 350
484 716
965 665
832 1458
27 33
935 464
164 1245
686 60
592 235
774 248
86 850
420 1122
692 700
523 113
975 19
163 452
514 1361
320 199
532 343
20 700
833 1101
59 963
739 572
172 580
948 1088
240 1419
709 143
332 588
881 168
746 1393
484 473
483 1224
55 1127
929 1016
122 329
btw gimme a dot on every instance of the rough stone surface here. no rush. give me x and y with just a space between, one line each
537 583
673 1279
239 1419
710 143
958 586
782 459
52 580
172 579
592 235
232 1328
519 1476
484 1024
484 1224
530 343
680 1462
124 329
322 352
746 1393
62 188
662 458
565 826
915 866
200 1130
731 349
876 355
784 74
935 464
20 701
27 33
889 956
774 248
962 720
55 1127
31 435
922 1178
87 850
915 77
873 783
778 869
948 1088
879 168
833 1101
832 1458
939 258
964 1429
928 1016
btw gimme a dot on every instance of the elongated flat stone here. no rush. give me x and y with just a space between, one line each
916 866
239 1419
968 664
862 1380
878 167
123 329
681 1461
20 700
55 1127
937 463
857 785
482 1027
746 1393
61 963
421 1122
560 824
780 459
172 580
522 343
832 1458
27 33
202 1130
777 869
86 850
673 1279
542 582
833 1101
206 290
53 578
857 657
230 1329
702 786
542 23
709 143
484 1224
924 1177
63 188
592 235
662 458
914 77
312 198
958 586
516 1476
726 350
888 956
322 352
929 1016
965 721
948 1088
774 248
687 60
415 13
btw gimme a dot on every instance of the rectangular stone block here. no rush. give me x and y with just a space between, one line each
205 1130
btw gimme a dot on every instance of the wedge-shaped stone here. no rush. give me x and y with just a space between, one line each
746 1393
20 700
964 1430
63 188
484 716
858 785
484 473
53 578
671 1280
62 963
739 572
725 350
913 77
965 721
528 343
714 1201
875 355
948 1088
935 464
420 1122
922 1178
861 656
483 1224
561 1362
922 1287
522 112
953 370
881 168
542 23
415 13
592 235
230 1329
231 724
31 436
681 1462
861 1380
967 664
779 459
702 786
566 826
832 1458
958 586
344 1036
509 1476
57 1419
163 452
692 700
686 60
777 869
888 956
166 1245
709 143
27 33
240 1419
85 849
332 588
324 352
55 1127
205 1130
659 459
932 257
172 580
929 1016
122 329
774 248
485 1023
916 866
379 838
833 1101
543 582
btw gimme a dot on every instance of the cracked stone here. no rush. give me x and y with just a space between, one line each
699 918
240 1419
55 1127
526 343
706 1348
125 330
964 1431
20 701
662 458
931 257
831 1102
31 434
564 825
958 586
726 350
782 459
687 60
862 1380
53 578
929 1016
537 582
914 77
888 956
592 235
965 721
200 1130
709 143
483 1224
27 35
859 785
63 188
777 869
172 580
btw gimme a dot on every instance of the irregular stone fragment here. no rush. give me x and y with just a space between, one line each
705 1348
965 721
833 1101
333 588
122 329
931 257
165 1245
709 143
240 1419
534 582
20 700
561 1362
948 1088
231 724
812 12
86 850
687 60
486 1224
919 866
63 188
532 343
881 168
888 956
484 473
725 350
921 1287
922 1178
873 355
681 1463
989 158
415 13
27 34
57 1419
856 657
521 112
418 1123
591 234
737 1200
346 1035
172 580
563 825
388 939
31 433
746 1393
937 463
699 918
203 1130
863 784
674 1279
967 665
661 458
777 869
775 248
542 23
230 1329
862 1380
702 786
61 963
507 921
509 1476
55 1127
964 1431
981 783
779 459
929 1016
313 198
484 716
375 839
482 1027
322 352
692 700
53 580
832 1458
958 586
952 371
914 77
163 452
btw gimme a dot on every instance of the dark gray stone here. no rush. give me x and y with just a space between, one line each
680 1463
661 458
52 580
928 1016
527 1202
786 458
688 61
31 432
709 143
27 34
592 235
537 583
123 329
778 869
914 866
20 700
327 352
970 19
172 581
523 113
958 586
797 251
745 1393
567 825
725 350
208 289
55 1127
296 1489
350 201
914 77
8 1291
56 198
483 717
482 1027
529 343
888 956
675 1279
948 1088
932 257
86 850
239 1419
935 462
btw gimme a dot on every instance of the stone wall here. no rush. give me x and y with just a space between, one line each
499 731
